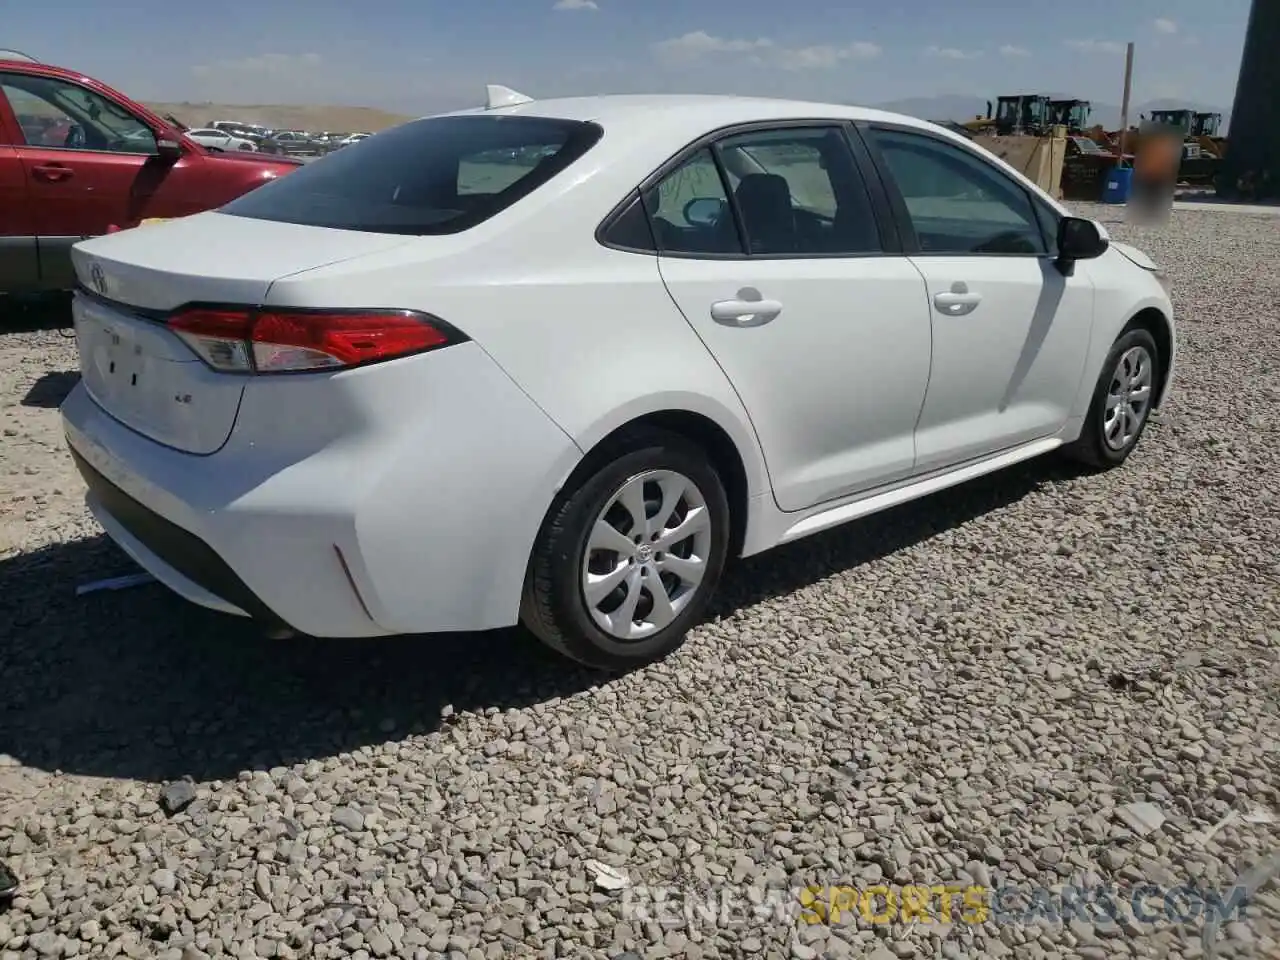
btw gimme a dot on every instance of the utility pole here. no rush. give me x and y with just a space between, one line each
1124 103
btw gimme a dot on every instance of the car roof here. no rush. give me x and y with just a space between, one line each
687 113
647 128
41 69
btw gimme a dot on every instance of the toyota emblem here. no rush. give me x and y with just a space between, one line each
99 279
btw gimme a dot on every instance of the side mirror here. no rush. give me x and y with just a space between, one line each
703 211
168 146
1080 239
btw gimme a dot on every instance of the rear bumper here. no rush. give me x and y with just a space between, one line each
174 556
399 498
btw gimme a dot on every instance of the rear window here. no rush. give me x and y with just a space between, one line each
432 176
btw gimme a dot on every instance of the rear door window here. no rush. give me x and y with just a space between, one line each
437 175
690 210
798 192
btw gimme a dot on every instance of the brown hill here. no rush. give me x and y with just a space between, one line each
314 119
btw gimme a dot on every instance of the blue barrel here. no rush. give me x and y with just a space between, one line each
1119 182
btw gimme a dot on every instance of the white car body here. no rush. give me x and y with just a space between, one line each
220 140
406 496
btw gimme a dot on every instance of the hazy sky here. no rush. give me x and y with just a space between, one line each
418 56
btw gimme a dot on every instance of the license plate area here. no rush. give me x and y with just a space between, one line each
123 359
146 378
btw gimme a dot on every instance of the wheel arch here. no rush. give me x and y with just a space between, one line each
1157 323
740 470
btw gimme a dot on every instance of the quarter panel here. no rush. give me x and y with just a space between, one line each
431 473
588 333
604 345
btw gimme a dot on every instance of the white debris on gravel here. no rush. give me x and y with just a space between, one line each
981 688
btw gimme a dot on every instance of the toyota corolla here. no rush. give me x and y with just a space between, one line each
555 362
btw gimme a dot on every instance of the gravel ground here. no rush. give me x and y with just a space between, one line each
1040 678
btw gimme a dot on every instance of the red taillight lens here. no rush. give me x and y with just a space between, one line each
220 337
289 341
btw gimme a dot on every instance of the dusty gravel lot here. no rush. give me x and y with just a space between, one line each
971 689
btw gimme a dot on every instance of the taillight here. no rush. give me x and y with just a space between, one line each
290 341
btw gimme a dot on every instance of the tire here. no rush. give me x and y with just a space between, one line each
1104 443
555 606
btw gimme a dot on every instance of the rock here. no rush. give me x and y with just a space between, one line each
164 881
177 796
1051 855
1113 859
1142 818
262 882
380 944
349 818
46 943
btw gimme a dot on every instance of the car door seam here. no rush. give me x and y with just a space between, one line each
516 383
1083 382
928 380
764 459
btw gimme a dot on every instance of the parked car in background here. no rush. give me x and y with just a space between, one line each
353 138
255 133
295 141
238 128
78 158
221 140
371 398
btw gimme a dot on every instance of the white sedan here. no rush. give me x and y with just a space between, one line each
221 140
556 362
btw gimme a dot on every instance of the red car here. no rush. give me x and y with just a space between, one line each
78 159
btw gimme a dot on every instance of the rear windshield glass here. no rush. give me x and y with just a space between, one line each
431 176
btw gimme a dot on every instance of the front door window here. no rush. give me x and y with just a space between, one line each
62 115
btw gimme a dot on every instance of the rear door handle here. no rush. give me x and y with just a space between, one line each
53 172
745 313
958 301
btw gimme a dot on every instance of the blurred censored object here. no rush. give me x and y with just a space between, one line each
1155 172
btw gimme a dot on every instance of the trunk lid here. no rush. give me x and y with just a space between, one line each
138 371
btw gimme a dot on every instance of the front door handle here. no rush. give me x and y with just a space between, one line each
958 301
53 172
748 309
